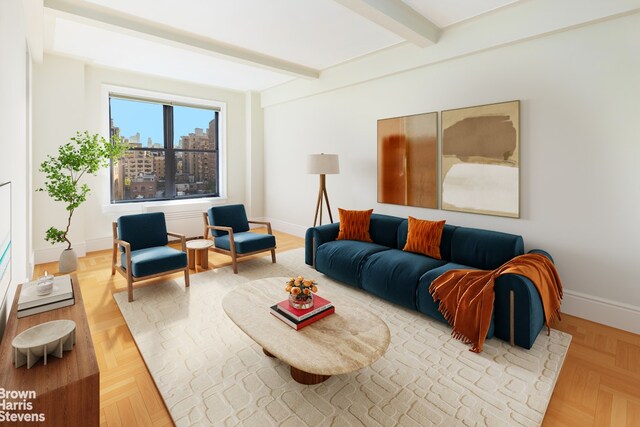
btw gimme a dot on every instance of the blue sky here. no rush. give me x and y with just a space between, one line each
146 118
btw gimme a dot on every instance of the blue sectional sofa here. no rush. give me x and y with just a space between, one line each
384 269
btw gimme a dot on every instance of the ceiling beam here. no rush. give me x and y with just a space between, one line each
154 31
397 17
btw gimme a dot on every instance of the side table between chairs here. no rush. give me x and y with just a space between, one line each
199 253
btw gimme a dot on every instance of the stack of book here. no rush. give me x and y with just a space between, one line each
30 302
298 319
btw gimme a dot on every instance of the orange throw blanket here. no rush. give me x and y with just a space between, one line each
466 296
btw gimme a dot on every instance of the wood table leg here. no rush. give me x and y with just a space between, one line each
301 376
204 258
307 378
192 258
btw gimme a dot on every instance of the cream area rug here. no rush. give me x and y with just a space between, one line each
210 373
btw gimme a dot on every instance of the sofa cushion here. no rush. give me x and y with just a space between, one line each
445 240
145 262
394 275
343 259
354 225
384 230
247 242
484 249
424 237
424 301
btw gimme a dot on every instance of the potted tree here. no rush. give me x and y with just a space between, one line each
84 154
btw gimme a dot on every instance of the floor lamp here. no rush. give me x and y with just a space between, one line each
322 164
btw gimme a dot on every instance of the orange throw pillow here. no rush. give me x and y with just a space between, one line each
354 225
424 237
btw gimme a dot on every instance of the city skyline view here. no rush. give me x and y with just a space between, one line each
148 170
145 117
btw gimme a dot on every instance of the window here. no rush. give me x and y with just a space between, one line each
173 150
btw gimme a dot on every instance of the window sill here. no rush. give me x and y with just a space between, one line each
156 206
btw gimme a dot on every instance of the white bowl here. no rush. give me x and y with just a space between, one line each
50 338
44 285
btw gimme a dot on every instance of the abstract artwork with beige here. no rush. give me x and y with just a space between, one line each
480 159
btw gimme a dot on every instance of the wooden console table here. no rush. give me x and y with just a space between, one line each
68 389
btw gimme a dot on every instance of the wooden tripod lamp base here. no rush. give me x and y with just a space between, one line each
323 164
322 194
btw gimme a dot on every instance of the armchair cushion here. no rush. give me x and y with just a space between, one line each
143 231
148 261
233 216
246 242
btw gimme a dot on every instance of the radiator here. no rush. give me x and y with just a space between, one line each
187 222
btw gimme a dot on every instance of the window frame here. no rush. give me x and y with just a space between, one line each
165 99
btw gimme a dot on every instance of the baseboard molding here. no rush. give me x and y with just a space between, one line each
52 254
99 244
601 310
286 227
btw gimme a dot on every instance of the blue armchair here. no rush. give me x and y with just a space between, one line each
229 227
143 240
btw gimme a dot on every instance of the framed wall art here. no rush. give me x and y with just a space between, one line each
480 159
408 160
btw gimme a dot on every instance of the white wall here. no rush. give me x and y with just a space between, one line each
68 96
58 111
255 156
580 151
14 143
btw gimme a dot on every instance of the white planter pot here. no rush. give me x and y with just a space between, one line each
68 261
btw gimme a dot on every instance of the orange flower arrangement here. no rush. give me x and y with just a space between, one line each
299 285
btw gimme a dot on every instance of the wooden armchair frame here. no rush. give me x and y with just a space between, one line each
127 272
232 247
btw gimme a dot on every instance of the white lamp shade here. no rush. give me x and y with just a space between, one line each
323 164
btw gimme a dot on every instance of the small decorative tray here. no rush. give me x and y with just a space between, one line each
49 338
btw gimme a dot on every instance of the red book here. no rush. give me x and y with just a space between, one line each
297 325
319 304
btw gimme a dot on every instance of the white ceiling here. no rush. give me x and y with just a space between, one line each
238 44
448 12
114 49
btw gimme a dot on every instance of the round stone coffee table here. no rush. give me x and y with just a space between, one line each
348 340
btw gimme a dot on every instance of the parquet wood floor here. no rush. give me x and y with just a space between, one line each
599 384
128 395
600 381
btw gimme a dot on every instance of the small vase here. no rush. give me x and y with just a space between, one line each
68 261
301 301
